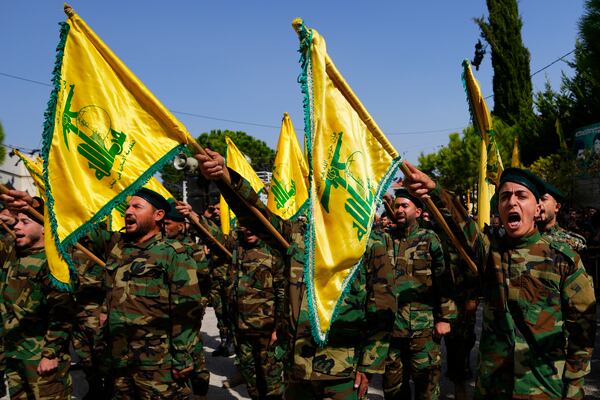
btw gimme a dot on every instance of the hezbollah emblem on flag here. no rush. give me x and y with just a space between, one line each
98 143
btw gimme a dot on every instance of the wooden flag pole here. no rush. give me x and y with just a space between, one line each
206 233
7 229
252 208
40 218
339 82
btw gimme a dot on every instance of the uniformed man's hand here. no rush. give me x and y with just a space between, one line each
441 328
212 166
17 200
361 383
181 374
417 182
273 338
184 209
102 318
8 219
47 366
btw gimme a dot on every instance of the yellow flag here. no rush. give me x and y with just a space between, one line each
490 162
288 192
105 135
35 168
351 166
237 161
515 159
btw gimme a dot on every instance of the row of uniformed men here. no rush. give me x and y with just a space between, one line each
539 307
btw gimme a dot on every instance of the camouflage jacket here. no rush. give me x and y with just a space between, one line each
571 239
90 291
153 301
538 318
423 286
359 337
197 251
36 317
256 286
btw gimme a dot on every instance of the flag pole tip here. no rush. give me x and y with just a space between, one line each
69 10
297 23
285 114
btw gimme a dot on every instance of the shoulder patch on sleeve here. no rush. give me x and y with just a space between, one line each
564 249
177 245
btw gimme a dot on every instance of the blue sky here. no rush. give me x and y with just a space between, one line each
238 60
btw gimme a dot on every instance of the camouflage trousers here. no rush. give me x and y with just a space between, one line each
219 302
337 389
134 383
90 349
261 366
24 382
417 358
459 343
201 376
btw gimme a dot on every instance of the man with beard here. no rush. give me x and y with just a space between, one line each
547 223
256 287
152 306
218 298
358 338
539 307
425 310
176 229
36 317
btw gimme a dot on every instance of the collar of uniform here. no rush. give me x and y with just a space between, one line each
29 251
553 229
520 243
408 231
148 242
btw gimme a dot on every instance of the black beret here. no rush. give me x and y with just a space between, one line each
154 198
173 214
404 193
525 178
554 192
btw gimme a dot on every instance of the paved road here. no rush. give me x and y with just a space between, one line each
221 368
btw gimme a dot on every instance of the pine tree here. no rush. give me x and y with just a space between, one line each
510 60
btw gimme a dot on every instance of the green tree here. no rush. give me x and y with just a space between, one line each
261 155
510 59
456 165
583 89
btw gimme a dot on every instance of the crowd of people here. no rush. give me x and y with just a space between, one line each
135 323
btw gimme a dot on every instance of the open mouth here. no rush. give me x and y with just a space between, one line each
514 220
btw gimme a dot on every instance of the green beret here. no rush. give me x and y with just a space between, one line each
554 192
154 198
173 214
525 178
404 193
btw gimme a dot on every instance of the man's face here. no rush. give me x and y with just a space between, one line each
214 213
597 146
518 209
495 222
173 228
549 209
141 217
248 236
405 211
29 233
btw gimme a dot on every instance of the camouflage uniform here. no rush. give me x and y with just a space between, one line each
217 297
571 239
153 305
257 288
36 324
461 339
538 316
358 338
89 296
423 288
